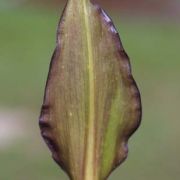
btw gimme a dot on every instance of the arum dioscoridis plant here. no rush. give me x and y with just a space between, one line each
92 104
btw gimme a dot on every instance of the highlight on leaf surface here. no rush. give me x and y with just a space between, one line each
92 104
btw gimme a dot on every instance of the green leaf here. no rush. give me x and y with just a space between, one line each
91 104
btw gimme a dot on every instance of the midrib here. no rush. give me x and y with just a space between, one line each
89 154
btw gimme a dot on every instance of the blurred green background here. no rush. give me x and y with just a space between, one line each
151 36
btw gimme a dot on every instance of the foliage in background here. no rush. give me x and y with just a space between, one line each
155 66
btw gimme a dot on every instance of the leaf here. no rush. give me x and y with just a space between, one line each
91 104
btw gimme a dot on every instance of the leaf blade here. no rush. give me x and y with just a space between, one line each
92 104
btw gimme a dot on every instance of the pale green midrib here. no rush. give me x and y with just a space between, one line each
89 154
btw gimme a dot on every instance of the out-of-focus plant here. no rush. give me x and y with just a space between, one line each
91 104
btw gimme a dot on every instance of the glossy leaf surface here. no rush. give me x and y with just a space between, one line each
91 103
